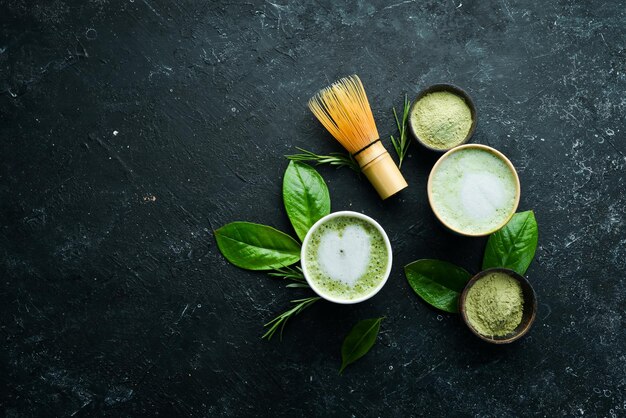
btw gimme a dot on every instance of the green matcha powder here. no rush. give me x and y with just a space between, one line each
441 120
494 305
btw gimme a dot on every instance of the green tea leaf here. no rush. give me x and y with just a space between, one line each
256 247
359 341
514 245
439 283
305 195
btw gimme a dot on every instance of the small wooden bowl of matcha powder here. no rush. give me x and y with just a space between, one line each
498 305
442 117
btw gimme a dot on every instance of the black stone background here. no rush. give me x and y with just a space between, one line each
129 129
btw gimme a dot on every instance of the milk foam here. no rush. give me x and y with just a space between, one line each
344 258
481 195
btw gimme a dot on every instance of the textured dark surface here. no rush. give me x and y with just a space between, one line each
130 129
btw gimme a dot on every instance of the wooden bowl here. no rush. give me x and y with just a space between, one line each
528 315
501 157
452 89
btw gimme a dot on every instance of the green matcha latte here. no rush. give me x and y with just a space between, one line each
346 258
473 190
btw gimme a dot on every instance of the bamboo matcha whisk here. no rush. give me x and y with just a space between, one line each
344 110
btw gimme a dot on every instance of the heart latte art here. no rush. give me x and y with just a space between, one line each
346 257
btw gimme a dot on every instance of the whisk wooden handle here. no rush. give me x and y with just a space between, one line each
381 170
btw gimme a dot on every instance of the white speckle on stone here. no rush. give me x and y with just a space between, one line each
91 34
115 133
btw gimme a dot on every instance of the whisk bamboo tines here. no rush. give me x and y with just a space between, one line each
344 111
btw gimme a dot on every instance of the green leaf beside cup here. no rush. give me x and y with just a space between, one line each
254 246
437 282
514 245
306 197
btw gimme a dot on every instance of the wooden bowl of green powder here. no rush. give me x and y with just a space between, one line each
442 117
498 305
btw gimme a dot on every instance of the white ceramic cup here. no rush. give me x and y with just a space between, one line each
305 244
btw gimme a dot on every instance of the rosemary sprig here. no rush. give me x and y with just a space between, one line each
337 159
289 273
401 144
281 320
299 285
